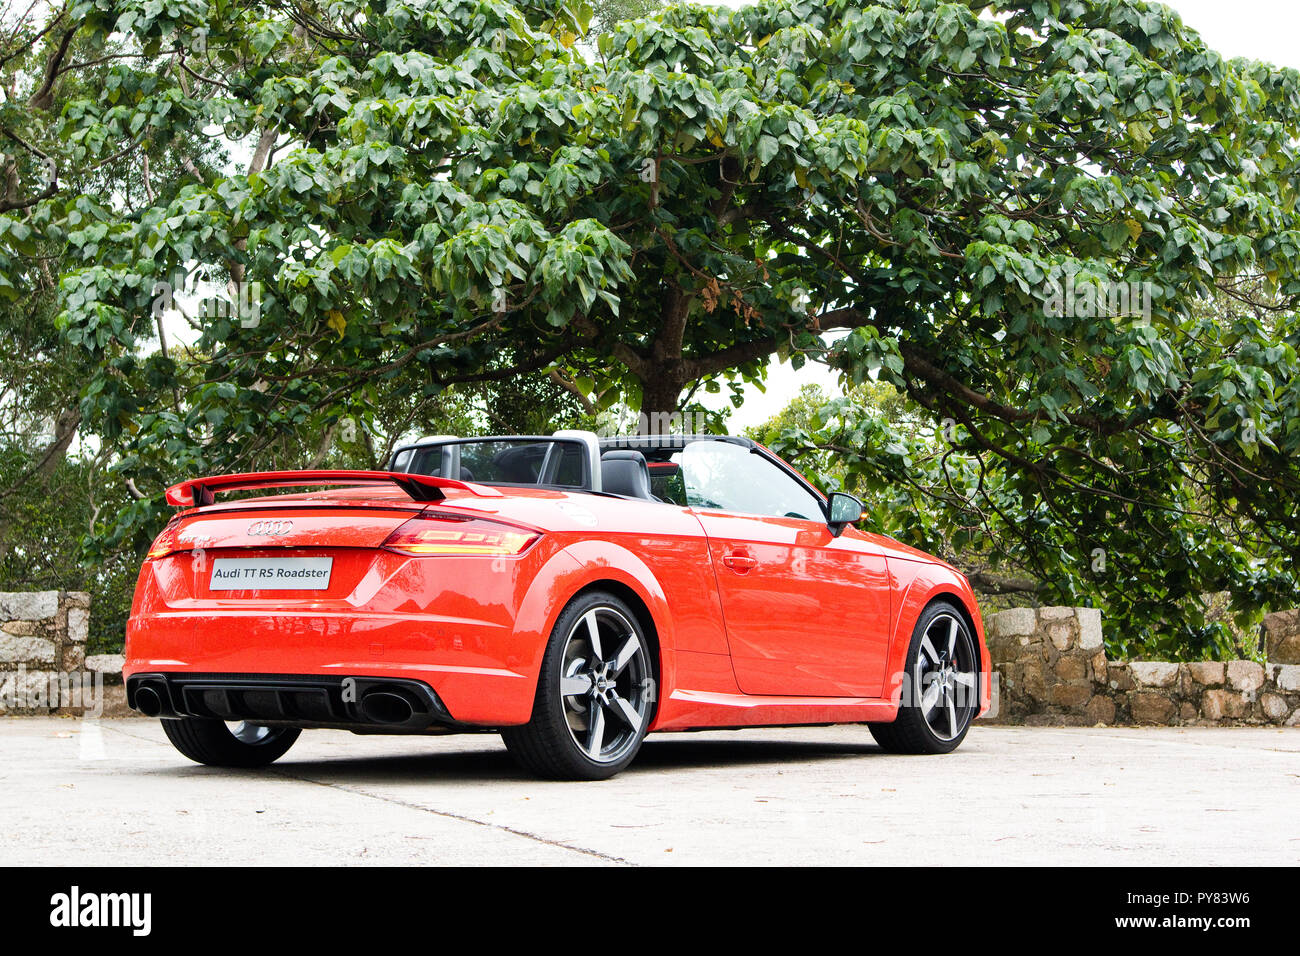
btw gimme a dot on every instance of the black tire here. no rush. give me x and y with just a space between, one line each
922 729
212 742
602 713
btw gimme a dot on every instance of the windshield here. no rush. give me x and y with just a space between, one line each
500 461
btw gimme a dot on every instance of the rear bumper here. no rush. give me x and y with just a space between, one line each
483 671
366 704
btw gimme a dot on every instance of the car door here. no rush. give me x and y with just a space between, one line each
807 613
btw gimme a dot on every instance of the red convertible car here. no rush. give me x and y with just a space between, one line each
570 593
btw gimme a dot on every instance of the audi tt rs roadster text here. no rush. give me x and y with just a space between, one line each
570 593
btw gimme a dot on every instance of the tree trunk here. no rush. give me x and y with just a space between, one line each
660 395
663 373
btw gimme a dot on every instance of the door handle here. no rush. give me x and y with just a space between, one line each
739 561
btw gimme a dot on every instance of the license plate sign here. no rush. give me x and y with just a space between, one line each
270 574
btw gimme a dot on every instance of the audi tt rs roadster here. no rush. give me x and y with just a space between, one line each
568 592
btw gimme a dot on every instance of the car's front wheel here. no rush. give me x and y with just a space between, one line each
940 686
595 695
219 744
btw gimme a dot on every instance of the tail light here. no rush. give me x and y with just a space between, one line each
447 535
166 542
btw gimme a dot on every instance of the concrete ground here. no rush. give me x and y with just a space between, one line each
115 792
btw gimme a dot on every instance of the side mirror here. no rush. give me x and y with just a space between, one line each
842 509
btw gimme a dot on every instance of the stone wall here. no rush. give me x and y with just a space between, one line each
1282 637
1050 663
43 664
1052 669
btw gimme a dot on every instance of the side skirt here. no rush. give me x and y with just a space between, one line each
710 710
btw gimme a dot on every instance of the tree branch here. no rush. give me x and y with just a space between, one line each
43 98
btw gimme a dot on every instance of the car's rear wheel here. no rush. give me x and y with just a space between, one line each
221 744
595 695
940 686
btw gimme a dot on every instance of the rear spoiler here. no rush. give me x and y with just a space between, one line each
203 491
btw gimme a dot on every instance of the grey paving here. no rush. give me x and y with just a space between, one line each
114 792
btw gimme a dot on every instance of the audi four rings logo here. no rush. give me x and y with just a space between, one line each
270 526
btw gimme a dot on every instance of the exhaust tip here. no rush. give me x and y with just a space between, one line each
147 701
387 707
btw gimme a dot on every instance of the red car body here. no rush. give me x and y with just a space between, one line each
753 620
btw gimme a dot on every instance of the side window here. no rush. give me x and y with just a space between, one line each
427 461
566 466
727 477
666 482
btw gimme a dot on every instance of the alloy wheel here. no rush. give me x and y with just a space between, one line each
250 733
947 681
605 684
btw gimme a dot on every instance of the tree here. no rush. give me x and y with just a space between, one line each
814 413
53 490
45 522
434 186
1186 583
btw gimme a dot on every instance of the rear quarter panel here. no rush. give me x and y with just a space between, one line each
659 553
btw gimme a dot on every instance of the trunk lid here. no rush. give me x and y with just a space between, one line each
274 550
299 525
